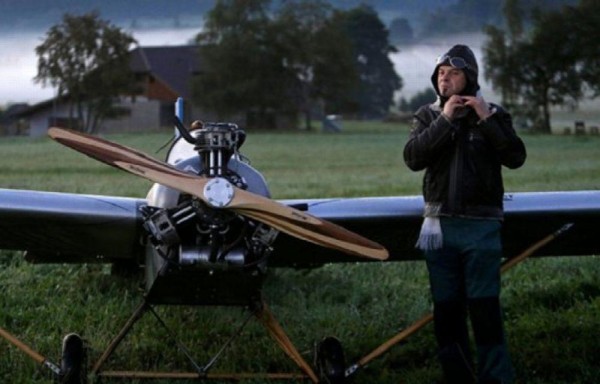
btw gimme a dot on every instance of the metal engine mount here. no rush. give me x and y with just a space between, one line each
215 144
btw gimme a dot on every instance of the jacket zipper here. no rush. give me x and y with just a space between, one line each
454 195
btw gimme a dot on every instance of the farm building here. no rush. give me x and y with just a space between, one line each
162 73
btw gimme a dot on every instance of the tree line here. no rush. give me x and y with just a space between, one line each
552 63
307 58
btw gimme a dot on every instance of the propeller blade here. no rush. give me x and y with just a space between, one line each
125 158
325 233
282 217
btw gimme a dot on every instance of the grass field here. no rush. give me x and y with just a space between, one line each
552 305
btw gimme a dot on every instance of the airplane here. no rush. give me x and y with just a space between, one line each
207 233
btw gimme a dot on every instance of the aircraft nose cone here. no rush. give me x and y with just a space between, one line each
218 192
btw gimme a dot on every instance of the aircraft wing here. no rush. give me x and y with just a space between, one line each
395 223
66 227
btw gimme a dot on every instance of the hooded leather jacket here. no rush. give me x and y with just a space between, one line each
463 160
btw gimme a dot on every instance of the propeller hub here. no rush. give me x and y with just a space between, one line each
218 192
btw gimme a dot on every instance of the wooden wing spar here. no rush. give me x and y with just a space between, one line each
221 194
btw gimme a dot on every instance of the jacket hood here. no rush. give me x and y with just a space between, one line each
471 70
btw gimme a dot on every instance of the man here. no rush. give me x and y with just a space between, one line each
462 142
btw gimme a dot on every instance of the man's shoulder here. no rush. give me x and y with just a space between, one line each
429 108
497 108
425 114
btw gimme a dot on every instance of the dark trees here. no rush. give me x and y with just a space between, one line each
302 57
550 64
86 59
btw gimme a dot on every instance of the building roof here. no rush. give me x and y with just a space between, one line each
42 105
174 66
13 112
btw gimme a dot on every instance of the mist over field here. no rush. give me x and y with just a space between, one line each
18 66
159 22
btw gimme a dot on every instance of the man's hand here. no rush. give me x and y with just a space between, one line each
453 105
479 105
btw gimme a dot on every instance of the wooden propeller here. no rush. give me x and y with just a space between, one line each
220 194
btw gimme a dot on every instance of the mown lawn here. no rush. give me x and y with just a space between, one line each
551 305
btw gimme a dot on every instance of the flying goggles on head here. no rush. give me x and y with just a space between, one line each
456 62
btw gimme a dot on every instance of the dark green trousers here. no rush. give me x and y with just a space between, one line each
465 283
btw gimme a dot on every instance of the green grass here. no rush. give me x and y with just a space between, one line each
551 305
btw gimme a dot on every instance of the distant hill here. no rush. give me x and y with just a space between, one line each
425 17
40 15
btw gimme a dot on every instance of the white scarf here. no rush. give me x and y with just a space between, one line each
431 236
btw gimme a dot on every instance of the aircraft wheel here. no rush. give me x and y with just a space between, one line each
73 362
329 361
